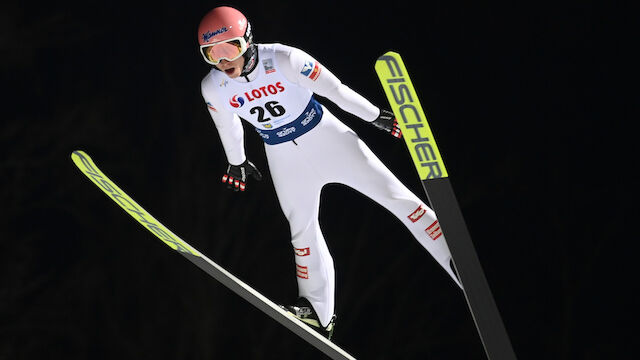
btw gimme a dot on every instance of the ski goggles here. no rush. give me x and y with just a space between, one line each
225 50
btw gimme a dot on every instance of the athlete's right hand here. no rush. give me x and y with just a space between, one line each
236 176
386 121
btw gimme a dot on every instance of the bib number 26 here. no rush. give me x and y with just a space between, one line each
272 107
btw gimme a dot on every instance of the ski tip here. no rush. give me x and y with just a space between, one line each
389 53
79 153
80 157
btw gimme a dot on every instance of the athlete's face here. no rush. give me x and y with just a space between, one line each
233 69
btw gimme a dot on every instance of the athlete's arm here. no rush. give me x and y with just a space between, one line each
228 124
302 69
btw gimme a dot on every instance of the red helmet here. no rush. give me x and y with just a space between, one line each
224 33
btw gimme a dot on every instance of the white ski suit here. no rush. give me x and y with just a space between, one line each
307 147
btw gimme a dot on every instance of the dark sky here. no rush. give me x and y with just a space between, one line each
529 107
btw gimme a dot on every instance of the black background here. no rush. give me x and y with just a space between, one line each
527 102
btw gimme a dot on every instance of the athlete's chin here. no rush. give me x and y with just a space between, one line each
232 72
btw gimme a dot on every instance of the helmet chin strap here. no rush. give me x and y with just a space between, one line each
250 60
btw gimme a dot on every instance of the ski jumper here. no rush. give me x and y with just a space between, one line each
307 147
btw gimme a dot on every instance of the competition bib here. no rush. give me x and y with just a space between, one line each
278 109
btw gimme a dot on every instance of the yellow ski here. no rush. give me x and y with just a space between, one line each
87 166
435 181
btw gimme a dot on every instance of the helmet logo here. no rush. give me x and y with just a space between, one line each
208 35
248 32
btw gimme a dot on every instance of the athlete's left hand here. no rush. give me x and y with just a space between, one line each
387 121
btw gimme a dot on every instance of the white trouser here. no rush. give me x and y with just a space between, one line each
333 153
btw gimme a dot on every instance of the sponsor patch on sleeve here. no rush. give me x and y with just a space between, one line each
311 69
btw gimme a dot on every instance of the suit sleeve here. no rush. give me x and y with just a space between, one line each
228 124
302 69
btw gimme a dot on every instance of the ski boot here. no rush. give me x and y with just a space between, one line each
304 312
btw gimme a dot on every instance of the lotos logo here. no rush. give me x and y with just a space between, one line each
263 91
236 101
